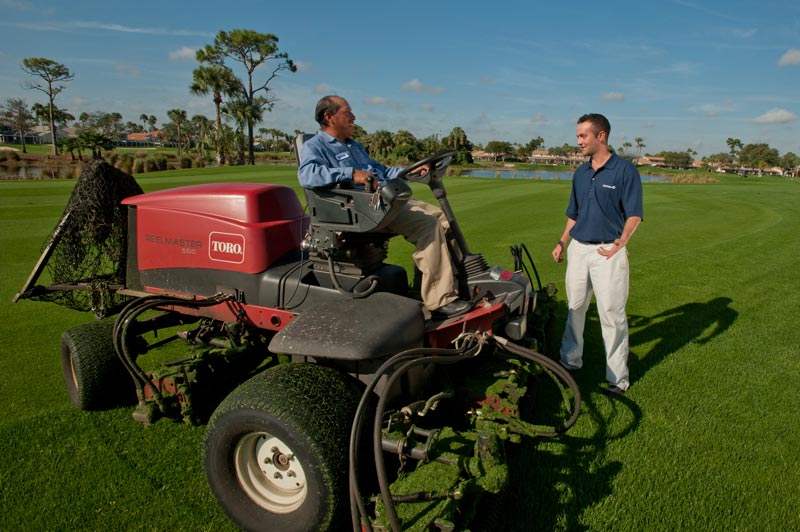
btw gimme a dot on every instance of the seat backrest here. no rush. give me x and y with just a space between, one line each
298 144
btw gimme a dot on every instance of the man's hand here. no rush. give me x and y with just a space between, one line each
558 251
422 170
362 176
608 253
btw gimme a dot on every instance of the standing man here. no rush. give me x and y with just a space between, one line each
331 157
604 210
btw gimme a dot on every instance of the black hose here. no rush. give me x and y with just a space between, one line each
558 370
357 509
373 279
380 467
128 316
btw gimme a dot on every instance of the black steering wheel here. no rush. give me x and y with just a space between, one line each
438 163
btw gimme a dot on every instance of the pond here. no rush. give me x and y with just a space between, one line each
556 175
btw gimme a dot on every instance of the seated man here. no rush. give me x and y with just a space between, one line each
332 156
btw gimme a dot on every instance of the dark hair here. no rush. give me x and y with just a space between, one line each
598 121
327 104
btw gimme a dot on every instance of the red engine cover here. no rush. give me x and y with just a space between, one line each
242 227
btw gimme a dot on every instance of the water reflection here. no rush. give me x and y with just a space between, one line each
556 175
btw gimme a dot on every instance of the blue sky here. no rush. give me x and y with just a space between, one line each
680 74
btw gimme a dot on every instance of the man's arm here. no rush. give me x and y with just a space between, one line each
627 232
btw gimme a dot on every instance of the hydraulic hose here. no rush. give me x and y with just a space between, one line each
555 368
420 355
373 279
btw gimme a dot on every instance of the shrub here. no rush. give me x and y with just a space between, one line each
161 162
138 166
186 162
150 165
199 162
8 155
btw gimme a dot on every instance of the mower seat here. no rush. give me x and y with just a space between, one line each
349 209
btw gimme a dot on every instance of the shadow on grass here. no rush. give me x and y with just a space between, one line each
696 323
554 482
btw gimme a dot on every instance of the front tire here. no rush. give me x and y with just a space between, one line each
276 449
94 376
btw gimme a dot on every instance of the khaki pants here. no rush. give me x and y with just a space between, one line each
424 225
589 272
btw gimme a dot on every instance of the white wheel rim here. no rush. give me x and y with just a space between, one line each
270 473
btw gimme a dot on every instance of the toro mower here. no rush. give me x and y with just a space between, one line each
332 399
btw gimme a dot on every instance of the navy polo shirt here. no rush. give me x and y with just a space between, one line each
602 200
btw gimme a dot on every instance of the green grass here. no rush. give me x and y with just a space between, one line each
706 439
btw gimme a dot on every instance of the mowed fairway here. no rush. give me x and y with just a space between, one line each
707 438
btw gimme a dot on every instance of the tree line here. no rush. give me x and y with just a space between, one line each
241 101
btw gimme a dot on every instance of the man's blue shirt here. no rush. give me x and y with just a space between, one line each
603 200
325 160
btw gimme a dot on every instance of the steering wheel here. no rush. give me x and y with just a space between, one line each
443 157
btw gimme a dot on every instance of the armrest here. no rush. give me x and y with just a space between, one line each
355 210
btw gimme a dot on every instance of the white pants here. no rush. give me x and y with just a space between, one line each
589 272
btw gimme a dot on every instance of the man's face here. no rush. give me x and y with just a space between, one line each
588 142
341 123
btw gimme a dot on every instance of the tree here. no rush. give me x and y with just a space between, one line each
53 76
107 124
379 144
735 146
457 139
626 146
252 50
640 145
71 145
243 113
499 147
15 111
178 117
220 81
95 142
790 162
677 159
758 156
199 132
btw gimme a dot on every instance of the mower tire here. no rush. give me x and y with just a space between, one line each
94 376
276 449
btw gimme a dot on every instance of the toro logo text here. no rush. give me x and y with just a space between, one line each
226 247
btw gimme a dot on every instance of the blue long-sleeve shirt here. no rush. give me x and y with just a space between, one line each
325 160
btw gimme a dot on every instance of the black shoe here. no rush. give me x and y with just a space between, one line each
454 308
614 392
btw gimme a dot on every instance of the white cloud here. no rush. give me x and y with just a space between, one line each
303 66
376 100
713 109
776 115
323 88
91 24
184 53
426 107
613 97
791 57
416 85
128 69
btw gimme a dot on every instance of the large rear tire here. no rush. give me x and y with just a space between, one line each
276 449
94 376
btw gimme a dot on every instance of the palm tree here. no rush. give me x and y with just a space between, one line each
243 113
220 81
178 116
200 128
639 145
